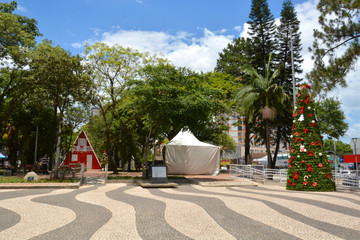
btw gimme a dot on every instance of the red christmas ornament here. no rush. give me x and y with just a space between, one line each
303 161
328 161
327 175
292 150
310 115
301 109
307 99
319 142
298 85
301 100
302 139
294 184
312 101
290 166
305 183
320 165
312 144
305 130
296 176
309 167
295 114
313 124
290 182
314 184
293 127
296 102
308 86
296 134
311 153
298 94
296 139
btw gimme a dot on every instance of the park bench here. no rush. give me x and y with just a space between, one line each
4 171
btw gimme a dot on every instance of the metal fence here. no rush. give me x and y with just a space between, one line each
343 179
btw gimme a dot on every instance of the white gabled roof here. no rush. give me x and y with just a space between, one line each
187 138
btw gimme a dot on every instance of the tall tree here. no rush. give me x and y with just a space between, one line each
287 36
262 31
336 47
231 59
262 93
61 79
17 37
288 31
114 69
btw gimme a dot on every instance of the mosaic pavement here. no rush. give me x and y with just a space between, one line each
120 211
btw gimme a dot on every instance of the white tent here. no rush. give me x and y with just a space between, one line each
185 154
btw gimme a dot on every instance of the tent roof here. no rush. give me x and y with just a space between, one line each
188 139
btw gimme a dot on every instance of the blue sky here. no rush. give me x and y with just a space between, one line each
188 32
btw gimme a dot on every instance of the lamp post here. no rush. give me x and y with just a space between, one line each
292 65
354 140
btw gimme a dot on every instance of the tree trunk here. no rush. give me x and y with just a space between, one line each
267 143
278 142
57 158
247 142
145 156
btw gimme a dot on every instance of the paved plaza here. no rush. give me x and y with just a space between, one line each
128 211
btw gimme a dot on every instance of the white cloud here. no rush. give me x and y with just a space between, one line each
182 49
308 16
238 28
21 8
77 45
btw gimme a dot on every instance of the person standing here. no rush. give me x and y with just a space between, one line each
103 160
44 163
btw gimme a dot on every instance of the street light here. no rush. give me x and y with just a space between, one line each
354 140
292 65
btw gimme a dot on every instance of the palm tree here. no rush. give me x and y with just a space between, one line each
264 95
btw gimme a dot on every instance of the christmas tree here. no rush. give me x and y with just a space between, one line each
309 168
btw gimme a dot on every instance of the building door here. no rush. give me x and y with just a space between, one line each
89 161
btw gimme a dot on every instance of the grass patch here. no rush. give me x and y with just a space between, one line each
21 180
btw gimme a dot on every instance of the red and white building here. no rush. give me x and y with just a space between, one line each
82 152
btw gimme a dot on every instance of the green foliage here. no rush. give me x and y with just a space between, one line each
262 93
17 38
336 46
173 98
17 33
236 54
331 118
309 169
288 30
341 147
262 31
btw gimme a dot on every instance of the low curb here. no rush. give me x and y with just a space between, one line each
40 185
157 185
234 183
